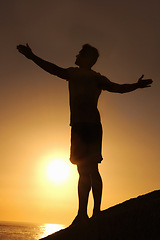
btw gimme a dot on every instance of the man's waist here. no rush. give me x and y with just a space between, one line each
84 122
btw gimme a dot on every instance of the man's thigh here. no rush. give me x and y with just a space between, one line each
86 143
87 169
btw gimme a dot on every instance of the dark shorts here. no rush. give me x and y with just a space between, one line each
86 143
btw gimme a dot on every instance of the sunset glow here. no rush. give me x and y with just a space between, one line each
38 181
50 228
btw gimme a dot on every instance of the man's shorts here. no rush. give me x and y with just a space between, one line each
86 143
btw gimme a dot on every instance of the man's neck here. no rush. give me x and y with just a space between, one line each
84 68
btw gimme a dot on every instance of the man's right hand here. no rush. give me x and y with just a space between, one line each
25 50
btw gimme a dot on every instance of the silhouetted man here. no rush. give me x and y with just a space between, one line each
85 87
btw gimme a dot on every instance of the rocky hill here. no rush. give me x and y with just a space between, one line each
134 219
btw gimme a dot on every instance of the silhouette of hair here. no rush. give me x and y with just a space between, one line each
90 52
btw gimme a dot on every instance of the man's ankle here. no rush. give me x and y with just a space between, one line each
96 213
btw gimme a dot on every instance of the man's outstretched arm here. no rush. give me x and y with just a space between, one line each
47 66
124 88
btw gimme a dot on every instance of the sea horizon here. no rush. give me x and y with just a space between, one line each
11 230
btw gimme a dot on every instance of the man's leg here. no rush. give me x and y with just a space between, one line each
84 187
96 183
88 177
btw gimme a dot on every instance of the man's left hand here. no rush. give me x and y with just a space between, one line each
143 83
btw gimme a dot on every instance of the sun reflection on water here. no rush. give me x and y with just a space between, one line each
48 229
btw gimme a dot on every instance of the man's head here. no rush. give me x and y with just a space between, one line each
87 57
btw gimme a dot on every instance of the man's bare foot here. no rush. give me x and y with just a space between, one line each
80 220
95 214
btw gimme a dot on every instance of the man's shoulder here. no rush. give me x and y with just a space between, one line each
89 73
72 68
77 69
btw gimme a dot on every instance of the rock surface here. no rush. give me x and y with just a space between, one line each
137 218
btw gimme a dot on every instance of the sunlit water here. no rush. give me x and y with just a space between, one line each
21 231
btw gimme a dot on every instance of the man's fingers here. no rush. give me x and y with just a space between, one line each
19 46
141 77
27 45
148 81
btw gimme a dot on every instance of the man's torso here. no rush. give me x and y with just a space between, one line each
84 92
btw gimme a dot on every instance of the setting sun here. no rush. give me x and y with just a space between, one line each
58 171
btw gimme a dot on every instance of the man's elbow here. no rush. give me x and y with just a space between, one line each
122 91
119 90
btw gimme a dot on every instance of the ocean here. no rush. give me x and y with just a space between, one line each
26 231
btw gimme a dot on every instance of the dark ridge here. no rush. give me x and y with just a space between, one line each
134 219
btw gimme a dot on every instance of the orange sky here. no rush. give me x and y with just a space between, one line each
34 108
